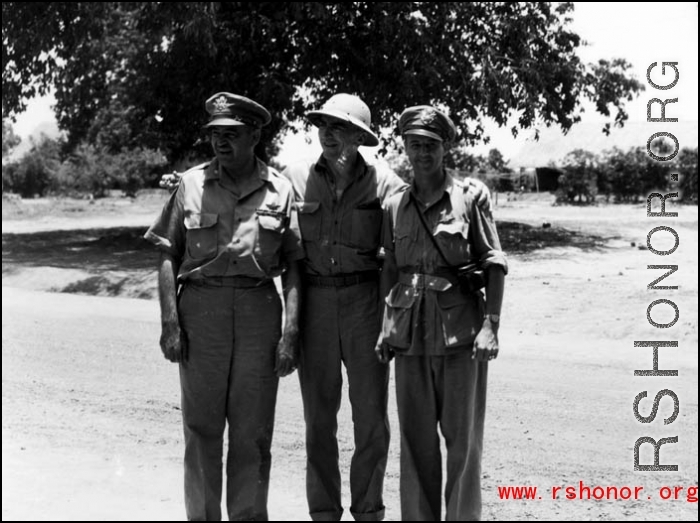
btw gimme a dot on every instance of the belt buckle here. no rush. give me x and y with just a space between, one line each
418 280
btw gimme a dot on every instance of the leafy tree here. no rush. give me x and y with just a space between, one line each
579 183
496 161
94 170
686 165
459 157
633 173
31 175
9 139
154 63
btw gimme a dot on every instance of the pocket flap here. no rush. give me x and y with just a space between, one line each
307 207
453 227
452 298
401 297
197 220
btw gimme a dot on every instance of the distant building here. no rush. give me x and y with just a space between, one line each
554 145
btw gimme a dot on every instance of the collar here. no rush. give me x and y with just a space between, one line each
321 166
212 171
447 185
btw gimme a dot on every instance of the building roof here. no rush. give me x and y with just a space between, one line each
553 145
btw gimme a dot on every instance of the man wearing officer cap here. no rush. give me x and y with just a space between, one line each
224 235
442 332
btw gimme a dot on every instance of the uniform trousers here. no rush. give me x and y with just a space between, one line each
340 326
450 392
232 335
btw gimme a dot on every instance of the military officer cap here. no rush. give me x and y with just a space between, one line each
424 120
232 109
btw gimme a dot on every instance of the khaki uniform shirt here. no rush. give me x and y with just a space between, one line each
432 320
341 235
217 229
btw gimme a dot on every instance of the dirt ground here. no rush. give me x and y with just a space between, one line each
90 410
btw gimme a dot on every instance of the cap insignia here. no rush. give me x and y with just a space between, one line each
221 105
427 116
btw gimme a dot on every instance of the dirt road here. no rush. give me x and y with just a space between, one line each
91 427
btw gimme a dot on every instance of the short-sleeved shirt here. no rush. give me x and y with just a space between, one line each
216 228
341 235
432 322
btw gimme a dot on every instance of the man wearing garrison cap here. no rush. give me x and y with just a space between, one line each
224 235
441 329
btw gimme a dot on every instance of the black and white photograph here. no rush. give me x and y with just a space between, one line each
356 261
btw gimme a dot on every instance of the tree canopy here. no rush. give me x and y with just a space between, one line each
137 73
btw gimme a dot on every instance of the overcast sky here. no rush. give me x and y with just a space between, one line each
640 32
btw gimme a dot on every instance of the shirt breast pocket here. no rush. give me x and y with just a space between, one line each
202 238
270 229
366 228
309 217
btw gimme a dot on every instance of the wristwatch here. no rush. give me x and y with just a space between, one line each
493 318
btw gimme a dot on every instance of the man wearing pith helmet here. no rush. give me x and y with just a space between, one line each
441 329
338 200
224 235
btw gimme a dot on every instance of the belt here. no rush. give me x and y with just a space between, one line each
424 281
341 280
238 282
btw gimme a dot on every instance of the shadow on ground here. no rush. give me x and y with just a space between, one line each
521 238
124 248
92 250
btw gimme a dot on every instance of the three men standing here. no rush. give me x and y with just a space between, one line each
225 233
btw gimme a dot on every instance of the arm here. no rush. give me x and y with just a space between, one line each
172 339
486 342
482 196
288 346
387 279
488 246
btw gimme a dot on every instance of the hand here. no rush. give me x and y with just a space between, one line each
383 351
486 343
286 356
481 193
170 181
173 342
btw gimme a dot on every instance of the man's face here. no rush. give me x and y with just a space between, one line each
425 154
234 145
338 138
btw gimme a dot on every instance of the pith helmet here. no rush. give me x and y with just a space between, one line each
347 108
